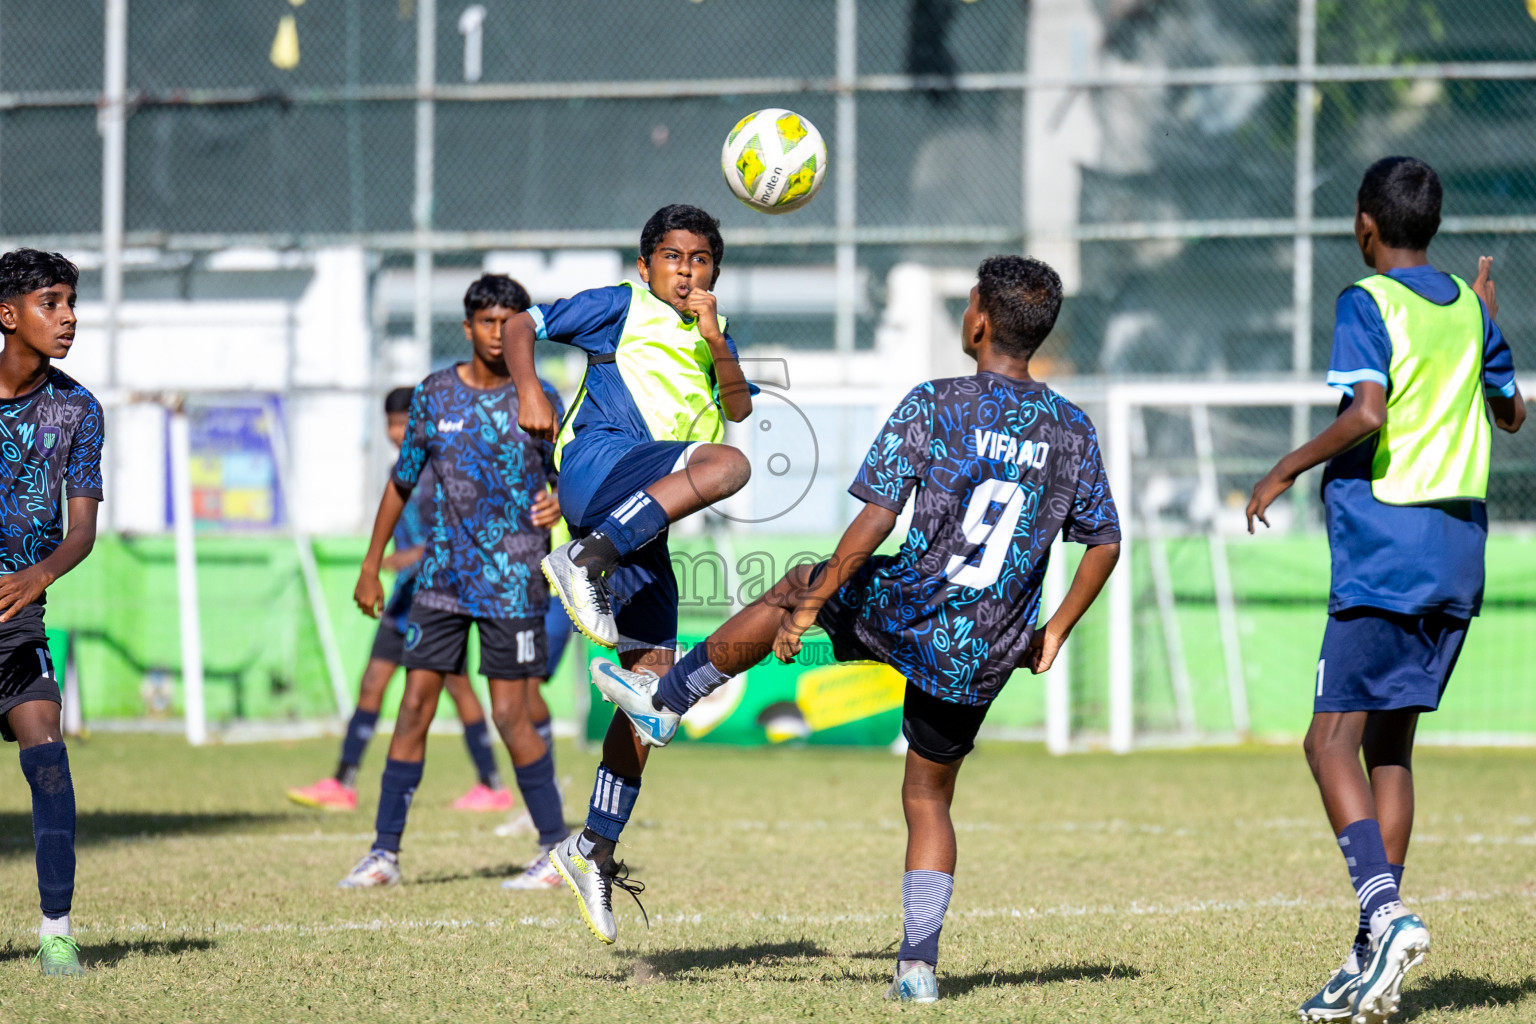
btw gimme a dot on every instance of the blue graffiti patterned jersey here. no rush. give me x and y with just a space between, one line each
999 467
412 531
50 451
483 552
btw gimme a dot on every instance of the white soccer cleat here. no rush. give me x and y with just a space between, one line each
1402 946
539 875
592 887
377 870
520 824
632 691
918 985
584 595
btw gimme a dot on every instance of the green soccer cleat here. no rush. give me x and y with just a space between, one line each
1336 1000
59 955
1402 946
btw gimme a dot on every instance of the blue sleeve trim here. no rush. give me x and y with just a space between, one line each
1502 390
1345 380
539 331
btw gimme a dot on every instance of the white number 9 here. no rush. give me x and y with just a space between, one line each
1006 493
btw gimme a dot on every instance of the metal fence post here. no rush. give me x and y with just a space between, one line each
1301 271
421 211
112 124
846 167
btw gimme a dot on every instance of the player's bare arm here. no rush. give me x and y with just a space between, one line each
1363 418
404 559
1092 573
369 592
866 533
1508 413
735 393
1483 286
21 588
534 413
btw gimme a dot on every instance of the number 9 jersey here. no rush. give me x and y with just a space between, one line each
1000 466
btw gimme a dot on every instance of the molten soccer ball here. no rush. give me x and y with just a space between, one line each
774 160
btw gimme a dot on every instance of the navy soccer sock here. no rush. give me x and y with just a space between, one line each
359 732
689 681
1369 871
46 767
629 527
477 737
1362 947
924 901
613 801
536 781
546 731
395 792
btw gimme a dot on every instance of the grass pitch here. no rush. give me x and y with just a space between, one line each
1171 886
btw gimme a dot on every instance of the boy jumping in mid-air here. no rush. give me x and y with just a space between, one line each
491 512
1421 362
339 792
52 432
996 465
637 452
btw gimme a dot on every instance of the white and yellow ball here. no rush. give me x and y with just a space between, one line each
774 160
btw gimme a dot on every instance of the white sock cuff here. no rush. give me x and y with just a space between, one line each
54 926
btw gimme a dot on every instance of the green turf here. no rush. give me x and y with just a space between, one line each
1175 886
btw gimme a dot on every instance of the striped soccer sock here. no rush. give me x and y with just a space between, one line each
692 679
1362 946
629 527
924 901
613 801
1369 872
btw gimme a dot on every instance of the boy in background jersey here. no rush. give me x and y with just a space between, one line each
52 433
339 791
997 465
637 452
1421 362
490 528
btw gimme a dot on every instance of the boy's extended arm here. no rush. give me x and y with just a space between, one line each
21 588
1092 572
1508 413
735 392
1363 418
866 533
369 592
534 413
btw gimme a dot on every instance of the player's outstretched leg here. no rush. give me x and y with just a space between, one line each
402 774
45 763
927 790
338 792
655 705
1398 939
489 792
711 473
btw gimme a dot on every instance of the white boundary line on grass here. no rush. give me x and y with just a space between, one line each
1070 910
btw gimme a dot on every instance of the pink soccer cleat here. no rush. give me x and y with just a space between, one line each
327 794
484 798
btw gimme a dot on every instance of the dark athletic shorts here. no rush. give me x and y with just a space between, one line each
389 641
936 729
644 586
26 667
1375 660
509 648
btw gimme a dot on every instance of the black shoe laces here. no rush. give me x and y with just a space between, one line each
616 873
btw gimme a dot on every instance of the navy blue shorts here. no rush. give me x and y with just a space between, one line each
1375 660
643 587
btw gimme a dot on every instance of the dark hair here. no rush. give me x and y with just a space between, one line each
681 218
1021 297
495 290
27 270
1402 195
398 400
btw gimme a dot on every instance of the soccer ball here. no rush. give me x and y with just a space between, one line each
774 160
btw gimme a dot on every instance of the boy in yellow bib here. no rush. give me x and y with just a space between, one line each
1421 364
638 449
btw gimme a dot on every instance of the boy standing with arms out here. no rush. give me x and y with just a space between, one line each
996 464
339 792
52 429
638 451
491 512
1421 363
